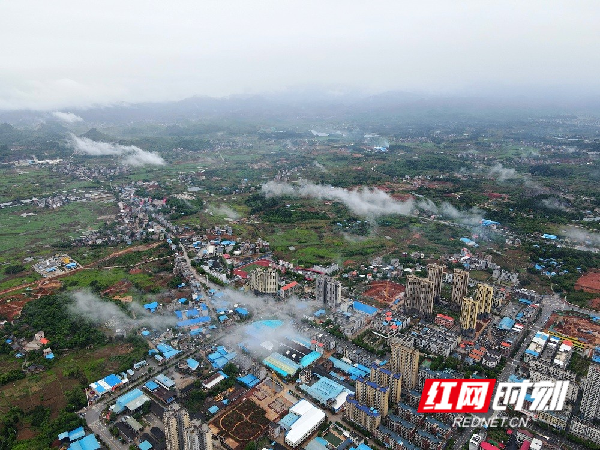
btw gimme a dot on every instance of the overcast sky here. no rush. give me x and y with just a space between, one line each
59 54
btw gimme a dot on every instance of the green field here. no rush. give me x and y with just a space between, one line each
27 182
28 236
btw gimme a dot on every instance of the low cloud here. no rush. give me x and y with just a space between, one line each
224 210
470 217
372 203
363 201
67 117
583 237
554 203
501 173
107 313
290 311
128 154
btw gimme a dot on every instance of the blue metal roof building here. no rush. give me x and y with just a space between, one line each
128 401
87 443
506 323
76 434
151 306
325 390
242 311
248 380
167 351
151 386
165 381
191 322
307 360
596 355
288 420
192 363
348 368
363 308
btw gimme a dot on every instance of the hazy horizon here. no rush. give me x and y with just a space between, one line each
68 55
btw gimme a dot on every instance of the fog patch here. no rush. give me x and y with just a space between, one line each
129 154
103 312
67 117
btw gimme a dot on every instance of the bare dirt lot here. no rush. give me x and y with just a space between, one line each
385 292
589 282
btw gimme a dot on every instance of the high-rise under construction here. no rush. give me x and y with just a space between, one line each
405 360
435 272
419 296
460 286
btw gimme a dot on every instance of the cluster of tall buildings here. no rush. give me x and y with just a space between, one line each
182 433
373 397
422 292
473 308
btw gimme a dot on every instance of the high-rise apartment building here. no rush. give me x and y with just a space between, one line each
460 285
198 436
484 295
405 361
469 311
435 272
590 403
364 416
328 291
372 395
264 281
419 295
385 378
175 419
181 433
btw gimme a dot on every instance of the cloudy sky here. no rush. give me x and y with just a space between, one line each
71 53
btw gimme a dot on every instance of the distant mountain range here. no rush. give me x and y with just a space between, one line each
314 104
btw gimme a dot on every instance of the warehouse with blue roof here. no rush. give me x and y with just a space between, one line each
281 364
248 380
307 360
350 370
106 384
327 392
221 357
131 401
167 351
165 381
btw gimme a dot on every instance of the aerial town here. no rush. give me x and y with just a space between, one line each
286 226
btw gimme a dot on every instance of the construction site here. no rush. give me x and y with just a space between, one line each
581 329
385 292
